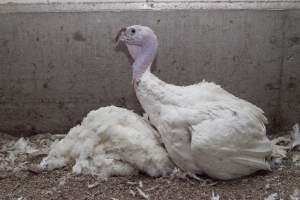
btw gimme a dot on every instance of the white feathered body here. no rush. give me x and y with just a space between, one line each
206 129
111 141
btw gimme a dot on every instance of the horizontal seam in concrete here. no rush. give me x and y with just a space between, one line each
146 5
145 1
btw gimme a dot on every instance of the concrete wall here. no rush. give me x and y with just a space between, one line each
57 66
96 5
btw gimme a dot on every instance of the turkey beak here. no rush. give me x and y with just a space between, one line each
121 31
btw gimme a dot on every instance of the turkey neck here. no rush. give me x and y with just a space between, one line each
144 58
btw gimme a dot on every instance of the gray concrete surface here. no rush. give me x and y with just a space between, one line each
96 5
55 67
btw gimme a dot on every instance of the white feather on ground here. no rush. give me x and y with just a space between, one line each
295 135
215 196
273 196
16 154
111 141
284 144
295 195
12 151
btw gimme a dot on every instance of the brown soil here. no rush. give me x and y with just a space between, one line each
60 184
30 183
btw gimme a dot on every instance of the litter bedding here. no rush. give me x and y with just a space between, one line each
23 178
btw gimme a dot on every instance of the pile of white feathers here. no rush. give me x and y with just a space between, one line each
111 141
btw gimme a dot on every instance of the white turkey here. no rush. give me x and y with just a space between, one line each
111 141
205 129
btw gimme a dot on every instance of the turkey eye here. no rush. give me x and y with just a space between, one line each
132 30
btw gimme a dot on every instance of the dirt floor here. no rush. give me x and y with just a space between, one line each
28 183
60 184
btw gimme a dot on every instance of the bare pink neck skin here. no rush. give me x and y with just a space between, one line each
143 57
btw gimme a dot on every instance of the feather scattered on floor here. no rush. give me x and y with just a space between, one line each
295 136
215 196
17 154
283 145
273 196
295 195
142 193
